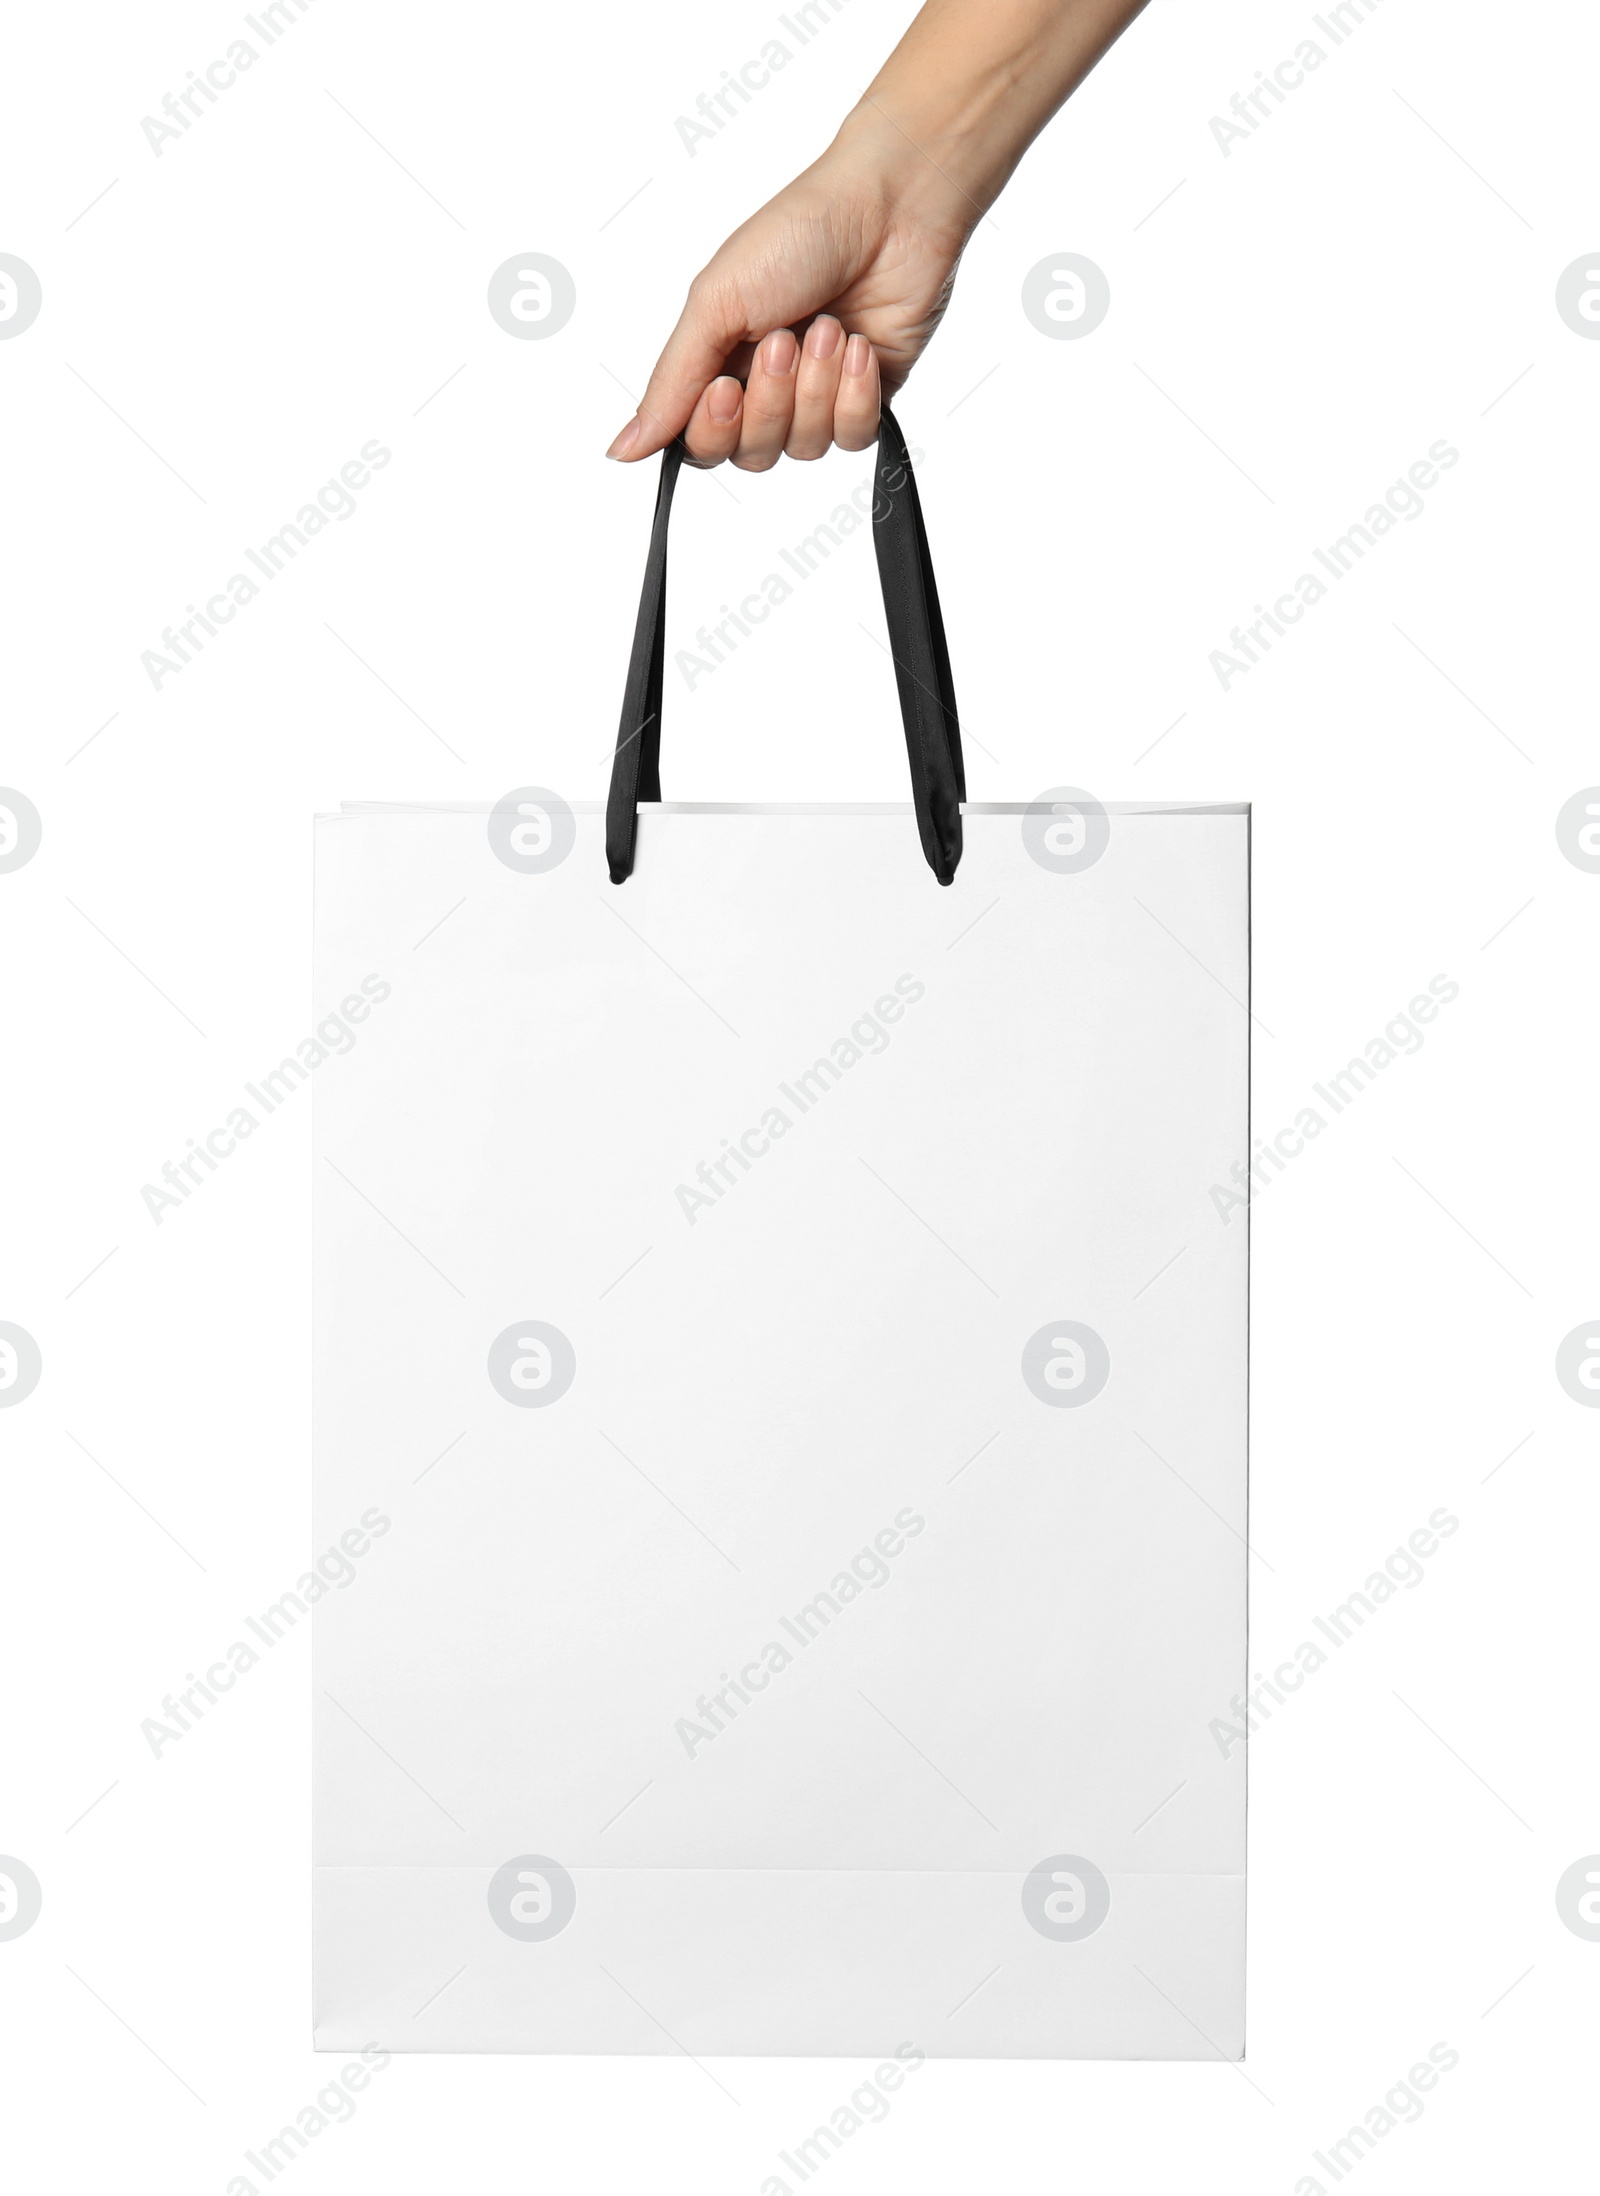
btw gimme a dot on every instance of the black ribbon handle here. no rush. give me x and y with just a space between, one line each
916 639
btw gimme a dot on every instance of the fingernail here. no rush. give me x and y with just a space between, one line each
722 399
822 337
779 351
625 441
857 355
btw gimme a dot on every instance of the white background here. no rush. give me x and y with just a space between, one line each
1372 271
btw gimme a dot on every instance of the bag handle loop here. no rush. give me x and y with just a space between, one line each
916 640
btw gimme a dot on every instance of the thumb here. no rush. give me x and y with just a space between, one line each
695 354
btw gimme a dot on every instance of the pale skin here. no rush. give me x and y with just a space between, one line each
821 303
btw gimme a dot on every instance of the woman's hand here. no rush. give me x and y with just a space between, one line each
830 292
820 301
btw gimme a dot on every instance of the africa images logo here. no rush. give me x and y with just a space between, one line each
868 1033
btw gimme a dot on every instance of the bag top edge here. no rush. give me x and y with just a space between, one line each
348 809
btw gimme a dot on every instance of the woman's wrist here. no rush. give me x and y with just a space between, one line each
939 171
965 93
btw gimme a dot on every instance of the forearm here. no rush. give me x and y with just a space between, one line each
970 86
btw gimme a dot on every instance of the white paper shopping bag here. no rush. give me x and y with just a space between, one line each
779 1307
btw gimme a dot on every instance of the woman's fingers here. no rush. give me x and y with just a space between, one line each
807 400
816 384
713 430
800 399
856 407
768 402
698 349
